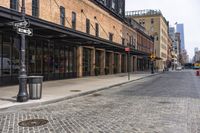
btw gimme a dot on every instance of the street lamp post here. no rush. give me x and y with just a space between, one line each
128 61
129 64
22 94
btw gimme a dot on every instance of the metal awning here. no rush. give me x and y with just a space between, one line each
49 30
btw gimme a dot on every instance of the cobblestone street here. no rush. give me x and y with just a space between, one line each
166 103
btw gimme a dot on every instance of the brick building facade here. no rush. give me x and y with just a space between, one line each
71 39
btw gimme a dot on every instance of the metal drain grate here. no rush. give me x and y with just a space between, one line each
33 122
164 102
96 95
75 90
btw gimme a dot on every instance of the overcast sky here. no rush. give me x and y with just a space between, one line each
180 11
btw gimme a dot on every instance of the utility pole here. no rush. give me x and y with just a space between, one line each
22 94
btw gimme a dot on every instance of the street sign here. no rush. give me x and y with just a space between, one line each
127 49
22 23
25 31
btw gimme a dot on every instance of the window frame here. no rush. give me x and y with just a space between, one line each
35 8
74 20
14 4
111 35
97 29
87 26
62 15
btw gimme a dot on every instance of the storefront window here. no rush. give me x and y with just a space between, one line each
32 57
62 61
1 59
15 56
97 58
6 56
46 58
66 60
51 58
116 63
56 60
86 61
39 57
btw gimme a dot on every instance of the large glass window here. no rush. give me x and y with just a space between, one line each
32 57
14 4
46 58
1 54
15 56
56 60
6 55
86 61
51 58
39 59
35 8
116 62
9 55
62 61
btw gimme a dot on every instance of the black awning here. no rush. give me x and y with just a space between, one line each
49 30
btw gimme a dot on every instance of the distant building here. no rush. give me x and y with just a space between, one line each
180 29
185 57
72 38
173 36
157 26
178 41
196 49
197 55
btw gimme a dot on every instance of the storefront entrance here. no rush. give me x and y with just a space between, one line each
87 62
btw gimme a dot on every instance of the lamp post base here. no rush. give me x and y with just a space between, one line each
22 95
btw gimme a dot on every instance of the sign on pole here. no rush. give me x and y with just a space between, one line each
25 31
127 49
22 23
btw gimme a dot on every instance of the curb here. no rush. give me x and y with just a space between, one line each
72 96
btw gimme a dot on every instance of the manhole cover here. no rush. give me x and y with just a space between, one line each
33 122
75 90
164 102
96 95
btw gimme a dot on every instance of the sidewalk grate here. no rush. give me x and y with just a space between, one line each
33 122
164 102
75 90
96 95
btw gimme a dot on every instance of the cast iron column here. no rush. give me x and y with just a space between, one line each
22 94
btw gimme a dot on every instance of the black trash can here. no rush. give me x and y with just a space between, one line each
35 87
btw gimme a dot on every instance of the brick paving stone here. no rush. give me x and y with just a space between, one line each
166 103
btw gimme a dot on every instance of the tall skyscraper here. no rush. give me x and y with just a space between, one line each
180 29
196 49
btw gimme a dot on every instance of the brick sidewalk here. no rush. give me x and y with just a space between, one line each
64 89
